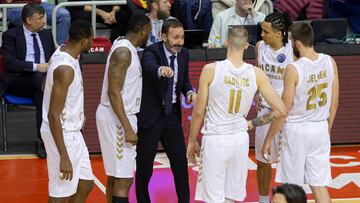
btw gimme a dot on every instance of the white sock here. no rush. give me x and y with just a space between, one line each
264 199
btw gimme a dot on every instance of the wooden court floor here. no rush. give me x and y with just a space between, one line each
23 178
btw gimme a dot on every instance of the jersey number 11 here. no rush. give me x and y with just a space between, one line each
234 101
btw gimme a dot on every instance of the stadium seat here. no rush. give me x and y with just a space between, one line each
9 99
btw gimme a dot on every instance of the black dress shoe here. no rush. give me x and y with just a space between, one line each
40 150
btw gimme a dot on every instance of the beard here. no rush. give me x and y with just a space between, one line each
163 15
296 52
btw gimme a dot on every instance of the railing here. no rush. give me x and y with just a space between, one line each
82 3
4 8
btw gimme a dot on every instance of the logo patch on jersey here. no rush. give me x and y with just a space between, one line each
281 58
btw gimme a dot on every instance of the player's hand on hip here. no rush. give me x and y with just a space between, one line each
131 137
266 150
66 170
193 150
166 72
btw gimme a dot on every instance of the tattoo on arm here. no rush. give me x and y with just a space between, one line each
119 63
262 120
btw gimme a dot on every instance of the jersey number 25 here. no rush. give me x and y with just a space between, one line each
316 91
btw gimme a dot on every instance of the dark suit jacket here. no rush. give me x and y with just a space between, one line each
14 53
154 88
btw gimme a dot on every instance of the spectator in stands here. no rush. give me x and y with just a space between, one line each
27 50
263 6
142 7
289 193
219 5
115 17
313 8
62 18
159 11
349 9
198 15
242 13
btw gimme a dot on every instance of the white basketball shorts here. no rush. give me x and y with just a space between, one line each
305 154
79 157
118 156
223 168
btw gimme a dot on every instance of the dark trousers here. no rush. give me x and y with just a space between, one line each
29 85
168 130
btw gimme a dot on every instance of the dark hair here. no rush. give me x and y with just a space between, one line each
170 23
149 2
293 193
137 22
30 9
280 22
302 32
79 30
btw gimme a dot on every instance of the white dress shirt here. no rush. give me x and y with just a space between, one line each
168 54
30 52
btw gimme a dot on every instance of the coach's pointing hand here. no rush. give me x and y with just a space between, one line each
166 72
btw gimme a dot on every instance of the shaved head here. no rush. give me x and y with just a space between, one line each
237 37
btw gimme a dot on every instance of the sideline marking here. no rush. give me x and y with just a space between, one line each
99 184
17 156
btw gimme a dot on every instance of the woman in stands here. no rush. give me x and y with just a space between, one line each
272 55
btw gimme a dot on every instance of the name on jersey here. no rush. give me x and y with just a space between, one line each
239 82
315 77
273 72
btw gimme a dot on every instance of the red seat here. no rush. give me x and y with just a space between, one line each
101 44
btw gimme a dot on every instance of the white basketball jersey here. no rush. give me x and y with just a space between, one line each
273 63
312 98
230 97
72 116
131 92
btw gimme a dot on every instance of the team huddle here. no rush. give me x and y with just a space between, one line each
295 88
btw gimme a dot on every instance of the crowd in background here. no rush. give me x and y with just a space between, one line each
206 15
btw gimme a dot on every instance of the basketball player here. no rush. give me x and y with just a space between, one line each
311 94
226 91
69 169
272 55
120 101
